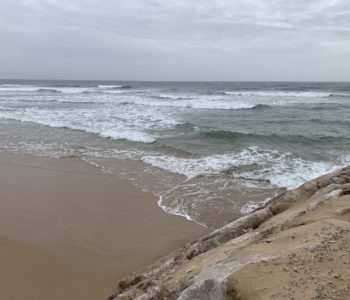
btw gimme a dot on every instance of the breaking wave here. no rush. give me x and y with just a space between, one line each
280 169
48 91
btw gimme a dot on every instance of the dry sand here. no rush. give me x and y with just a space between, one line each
70 231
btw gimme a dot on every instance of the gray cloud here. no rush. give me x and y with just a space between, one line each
175 39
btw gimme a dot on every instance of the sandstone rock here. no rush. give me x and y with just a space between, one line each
218 265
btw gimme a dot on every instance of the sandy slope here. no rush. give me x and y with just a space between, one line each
297 247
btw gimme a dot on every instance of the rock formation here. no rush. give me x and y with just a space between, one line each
296 247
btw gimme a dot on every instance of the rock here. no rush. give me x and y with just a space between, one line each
233 262
210 289
229 232
284 201
126 283
332 180
335 194
326 190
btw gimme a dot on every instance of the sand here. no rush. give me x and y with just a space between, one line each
70 231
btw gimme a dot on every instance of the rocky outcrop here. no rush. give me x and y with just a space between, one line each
296 247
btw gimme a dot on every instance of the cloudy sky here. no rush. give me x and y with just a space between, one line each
176 39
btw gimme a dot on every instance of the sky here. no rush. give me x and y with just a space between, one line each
214 40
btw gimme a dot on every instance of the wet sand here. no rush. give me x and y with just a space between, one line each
70 231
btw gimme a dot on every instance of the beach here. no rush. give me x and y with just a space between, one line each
100 179
174 150
70 231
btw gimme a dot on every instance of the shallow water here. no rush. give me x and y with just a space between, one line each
210 150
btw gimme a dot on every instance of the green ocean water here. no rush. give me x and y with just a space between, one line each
224 139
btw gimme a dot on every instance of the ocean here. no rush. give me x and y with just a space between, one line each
210 151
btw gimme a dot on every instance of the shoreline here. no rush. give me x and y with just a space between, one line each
295 247
70 231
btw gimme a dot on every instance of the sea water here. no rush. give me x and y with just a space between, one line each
209 150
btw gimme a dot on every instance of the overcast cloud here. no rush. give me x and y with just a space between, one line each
175 39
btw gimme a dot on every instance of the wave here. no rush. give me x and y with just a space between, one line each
67 85
76 102
331 122
17 88
187 126
339 95
114 87
48 91
206 102
333 106
62 100
271 138
174 97
104 91
66 89
117 134
123 124
130 135
103 86
221 105
262 93
42 89
277 168
261 106
196 103
10 85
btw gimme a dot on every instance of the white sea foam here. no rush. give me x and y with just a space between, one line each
73 90
131 135
104 86
234 101
111 89
18 88
226 105
113 122
203 102
177 97
32 88
230 100
9 85
190 167
251 206
176 210
280 169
